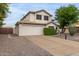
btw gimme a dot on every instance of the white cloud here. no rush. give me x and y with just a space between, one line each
14 16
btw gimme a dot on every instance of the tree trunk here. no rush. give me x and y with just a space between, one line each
62 32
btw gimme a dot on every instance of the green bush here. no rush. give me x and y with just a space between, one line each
72 30
49 31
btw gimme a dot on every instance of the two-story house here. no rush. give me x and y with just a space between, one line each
33 23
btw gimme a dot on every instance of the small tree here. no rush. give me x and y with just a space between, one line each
72 30
4 9
67 15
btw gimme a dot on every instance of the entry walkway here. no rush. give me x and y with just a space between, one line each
56 46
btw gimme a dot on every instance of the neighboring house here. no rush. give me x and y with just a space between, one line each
77 26
33 23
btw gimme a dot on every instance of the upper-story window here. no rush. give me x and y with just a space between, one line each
46 17
38 17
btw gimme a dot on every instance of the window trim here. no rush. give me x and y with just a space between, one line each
47 18
38 17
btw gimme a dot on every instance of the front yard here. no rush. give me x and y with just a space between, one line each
11 45
19 46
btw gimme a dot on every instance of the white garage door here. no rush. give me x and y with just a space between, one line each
30 30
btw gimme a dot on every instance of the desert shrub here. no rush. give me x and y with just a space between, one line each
72 30
49 31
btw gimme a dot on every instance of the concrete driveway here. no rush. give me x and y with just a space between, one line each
56 46
11 45
19 46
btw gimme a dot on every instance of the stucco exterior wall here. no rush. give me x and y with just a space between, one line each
51 25
43 14
76 24
26 18
17 30
32 17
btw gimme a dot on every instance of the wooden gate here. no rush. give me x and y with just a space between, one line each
6 30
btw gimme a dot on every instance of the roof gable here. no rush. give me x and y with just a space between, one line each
44 11
33 12
53 23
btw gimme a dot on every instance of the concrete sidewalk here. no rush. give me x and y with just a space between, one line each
56 46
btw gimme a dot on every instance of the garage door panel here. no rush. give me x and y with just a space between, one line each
31 30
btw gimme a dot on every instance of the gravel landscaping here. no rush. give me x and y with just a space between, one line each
74 38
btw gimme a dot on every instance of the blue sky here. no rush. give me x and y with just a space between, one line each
18 10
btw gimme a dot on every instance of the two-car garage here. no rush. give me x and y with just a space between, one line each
29 29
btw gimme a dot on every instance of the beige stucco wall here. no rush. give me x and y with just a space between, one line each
26 18
14 31
32 17
27 29
43 14
76 24
51 25
17 30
